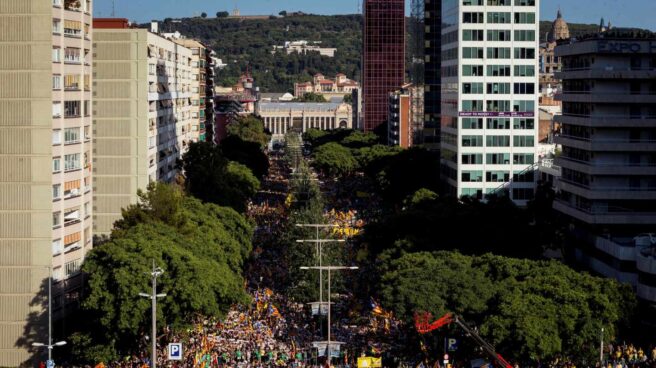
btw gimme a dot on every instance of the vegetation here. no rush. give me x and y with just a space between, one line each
201 248
249 129
247 153
312 97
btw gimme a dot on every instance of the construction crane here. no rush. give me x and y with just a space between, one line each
424 326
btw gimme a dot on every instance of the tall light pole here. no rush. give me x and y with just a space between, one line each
329 269
319 243
49 345
156 272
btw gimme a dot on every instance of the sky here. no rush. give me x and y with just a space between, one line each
622 13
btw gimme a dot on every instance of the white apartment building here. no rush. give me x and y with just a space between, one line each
490 97
143 115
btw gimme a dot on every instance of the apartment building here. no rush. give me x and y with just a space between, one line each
45 153
399 127
143 114
607 187
202 92
489 97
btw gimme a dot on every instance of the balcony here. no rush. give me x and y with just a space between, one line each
607 145
606 73
608 193
607 121
606 97
605 216
607 168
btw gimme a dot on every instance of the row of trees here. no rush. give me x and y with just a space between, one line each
198 235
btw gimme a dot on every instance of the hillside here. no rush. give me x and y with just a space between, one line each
247 44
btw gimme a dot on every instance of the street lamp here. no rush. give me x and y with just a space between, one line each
156 272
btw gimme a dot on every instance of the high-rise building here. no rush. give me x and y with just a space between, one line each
608 183
383 60
432 72
489 97
45 156
143 114
399 127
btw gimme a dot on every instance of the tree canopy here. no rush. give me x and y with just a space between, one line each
312 97
247 153
249 129
334 159
201 248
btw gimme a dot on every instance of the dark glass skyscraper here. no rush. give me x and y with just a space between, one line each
383 57
432 72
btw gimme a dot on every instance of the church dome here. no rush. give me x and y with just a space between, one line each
559 29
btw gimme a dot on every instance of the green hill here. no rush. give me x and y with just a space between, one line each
247 45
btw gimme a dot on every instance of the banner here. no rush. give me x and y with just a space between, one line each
322 347
370 362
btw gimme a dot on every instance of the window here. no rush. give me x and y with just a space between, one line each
71 55
498 105
56 2
524 70
72 267
498 70
56 191
524 88
523 123
71 215
56 137
498 52
56 109
524 35
524 176
494 17
71 135
497 159
524 18
524 53
524 106
523 141
472 52
56 26
523 194
71 109
498 88
56 219
87 209
497 176
57 247
57 275
472 105
472 70
498 2
498 141
472 141
72 28
72 162
523 159
72 82
497 35
56 164
524 2
472 2
498 123
56 55
472 176
472 123
472 192
56 82
472 159
472 18
472 88
472 35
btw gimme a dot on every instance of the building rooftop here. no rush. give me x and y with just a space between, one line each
298 106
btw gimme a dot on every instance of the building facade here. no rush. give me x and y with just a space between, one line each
339 87
399 121
45 153
303 47
549 63
432 73
607 187
143 115
383 58
282 117
489 97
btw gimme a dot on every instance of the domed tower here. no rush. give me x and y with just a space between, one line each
559 29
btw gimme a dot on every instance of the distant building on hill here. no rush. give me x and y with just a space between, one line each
326 87
303 47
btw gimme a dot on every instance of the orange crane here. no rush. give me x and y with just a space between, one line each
424 326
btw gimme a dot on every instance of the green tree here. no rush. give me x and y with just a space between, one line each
334 160
203 15
312 97
348 99
247 153
283 13
222 14
211 177
249 129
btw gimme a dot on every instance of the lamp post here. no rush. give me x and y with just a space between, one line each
319 243
329 269
49 345
156 272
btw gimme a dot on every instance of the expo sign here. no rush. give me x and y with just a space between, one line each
620 47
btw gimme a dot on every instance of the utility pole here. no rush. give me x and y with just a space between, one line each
49 345
319 246
156 272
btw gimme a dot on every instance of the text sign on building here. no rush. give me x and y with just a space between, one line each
625 47
487 114
175 351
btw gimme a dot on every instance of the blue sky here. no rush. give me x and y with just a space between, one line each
623 13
